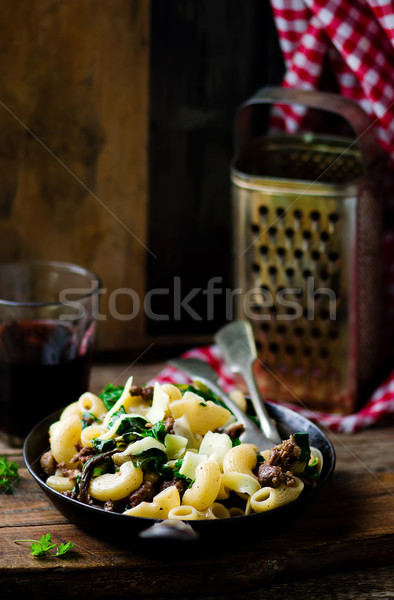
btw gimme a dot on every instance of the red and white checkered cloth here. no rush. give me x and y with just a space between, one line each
380 406
357 37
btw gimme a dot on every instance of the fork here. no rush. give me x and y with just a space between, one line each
201 371
238 348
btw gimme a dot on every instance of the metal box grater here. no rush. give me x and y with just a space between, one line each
307 229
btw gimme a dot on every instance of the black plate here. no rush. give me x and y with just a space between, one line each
124 529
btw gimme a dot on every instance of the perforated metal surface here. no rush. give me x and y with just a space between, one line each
302 267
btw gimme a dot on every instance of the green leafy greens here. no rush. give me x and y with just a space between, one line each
110 395
8 474
302 441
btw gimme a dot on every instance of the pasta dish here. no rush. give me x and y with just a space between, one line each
171 452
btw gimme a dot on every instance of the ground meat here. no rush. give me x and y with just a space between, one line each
180 484
48 463
70 494
169 425
145 392
70 473
84 454
273 476
145 493
117 506
235 430
285 454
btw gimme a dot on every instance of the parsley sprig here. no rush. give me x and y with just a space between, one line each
8 474
44 546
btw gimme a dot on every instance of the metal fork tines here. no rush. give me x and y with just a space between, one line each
199 370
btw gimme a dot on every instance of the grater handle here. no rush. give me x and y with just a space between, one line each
346 108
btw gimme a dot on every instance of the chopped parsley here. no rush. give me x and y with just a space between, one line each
43 546
8 474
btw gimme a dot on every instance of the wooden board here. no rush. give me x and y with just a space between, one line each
73 149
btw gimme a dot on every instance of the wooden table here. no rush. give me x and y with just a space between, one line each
341 547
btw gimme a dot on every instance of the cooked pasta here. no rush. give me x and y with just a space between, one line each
166 452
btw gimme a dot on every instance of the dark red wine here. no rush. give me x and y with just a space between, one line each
41 369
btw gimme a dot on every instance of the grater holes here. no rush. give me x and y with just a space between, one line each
273 347
307 351
315 215
255 267
324 275
254 228
315 254
297 214
333 256
280 212
281 252
265 327
324 236
263 210
332 335
272 231
306 273
289 272
298 331
289 233
324 352
333 217
273 270
298 253
263 250
291 311
315 333
306 234
324 314
281 329
290 349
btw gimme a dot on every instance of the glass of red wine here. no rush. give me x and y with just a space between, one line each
48 316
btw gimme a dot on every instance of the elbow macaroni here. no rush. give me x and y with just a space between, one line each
194 449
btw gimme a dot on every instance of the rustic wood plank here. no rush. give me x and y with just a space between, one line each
73 151
348 527
350 524
206 58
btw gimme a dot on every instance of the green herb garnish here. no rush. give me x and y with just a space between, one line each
8 474
43 546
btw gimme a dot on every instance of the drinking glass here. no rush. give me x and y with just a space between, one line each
48 316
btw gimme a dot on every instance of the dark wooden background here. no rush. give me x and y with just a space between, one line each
206 58
116 138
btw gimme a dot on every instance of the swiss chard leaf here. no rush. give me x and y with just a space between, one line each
158 431
103 445
115 416
88 418
111 394
302 441
151 460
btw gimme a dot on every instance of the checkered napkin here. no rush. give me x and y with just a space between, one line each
379 407
357 38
